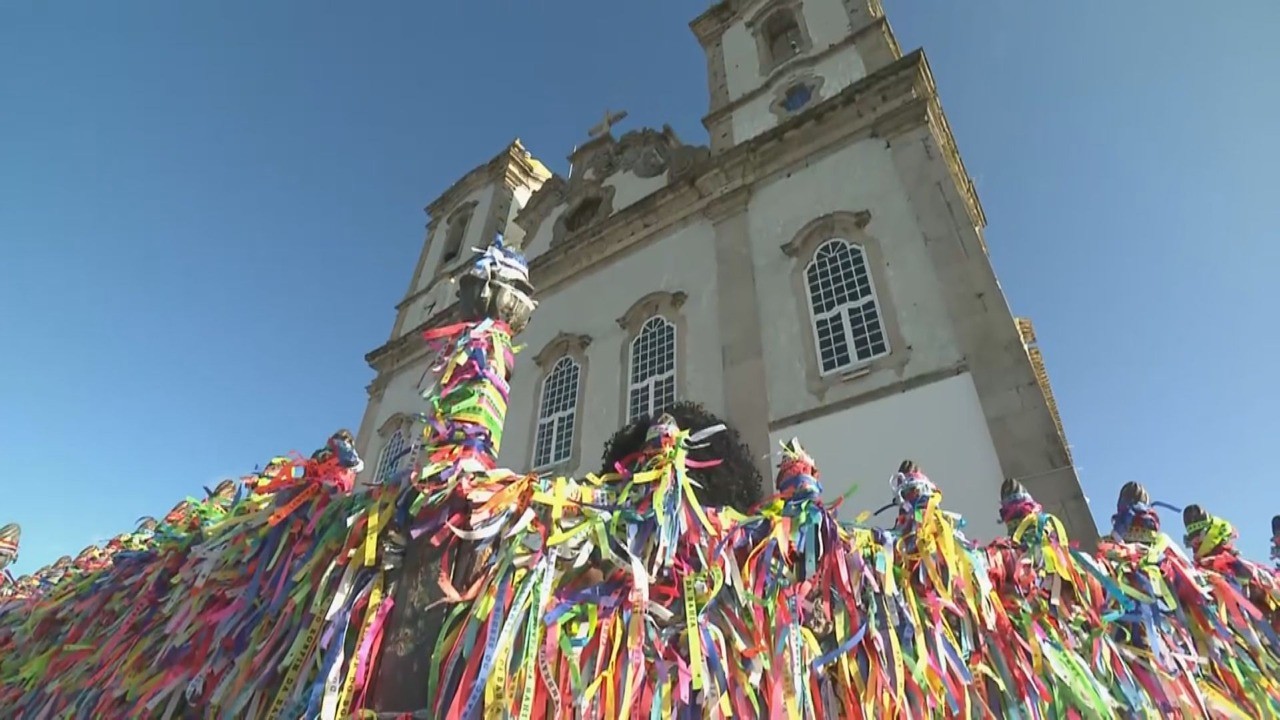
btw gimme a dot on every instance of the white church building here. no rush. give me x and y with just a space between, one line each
817 271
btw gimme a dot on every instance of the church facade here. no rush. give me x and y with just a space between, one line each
817 271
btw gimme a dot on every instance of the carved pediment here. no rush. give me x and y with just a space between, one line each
646 152
660 302
562 344
540 205
395 422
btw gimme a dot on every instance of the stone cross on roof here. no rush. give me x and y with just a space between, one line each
610 119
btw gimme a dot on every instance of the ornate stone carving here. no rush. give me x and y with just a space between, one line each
591 196
655 303
647 152
562 344
685 161
547 198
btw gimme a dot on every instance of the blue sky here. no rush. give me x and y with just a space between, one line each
209 210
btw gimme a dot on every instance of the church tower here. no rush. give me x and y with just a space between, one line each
474 210
770 60
818 271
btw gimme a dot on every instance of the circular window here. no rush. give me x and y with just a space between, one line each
796 97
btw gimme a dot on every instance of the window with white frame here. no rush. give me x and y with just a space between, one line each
391 460
652 384
553 442
846 318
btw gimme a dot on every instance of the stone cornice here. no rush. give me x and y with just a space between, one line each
950 151
892 100
710 25
728 204
513 166
1028 333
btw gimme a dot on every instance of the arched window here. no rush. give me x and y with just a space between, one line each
782 36
652 385
557 411
846 318
392 458
455 233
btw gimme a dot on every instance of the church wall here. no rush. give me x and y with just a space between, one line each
484 197
827 22
541 241
512 233
424 306
682 261
855 178
631 188
940 426
741 61
837 71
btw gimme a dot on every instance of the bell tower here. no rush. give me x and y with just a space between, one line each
770 60
476 208
470 214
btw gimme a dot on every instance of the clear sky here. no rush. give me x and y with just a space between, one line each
208 211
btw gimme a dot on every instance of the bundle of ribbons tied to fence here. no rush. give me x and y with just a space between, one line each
620 595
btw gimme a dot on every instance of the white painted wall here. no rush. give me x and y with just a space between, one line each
437 298
827 22
631 188
541 241
838 71
940 426
512 233
857 177
684 260
741 61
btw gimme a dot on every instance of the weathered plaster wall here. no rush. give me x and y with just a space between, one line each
630 188
484 201
940 426
836 71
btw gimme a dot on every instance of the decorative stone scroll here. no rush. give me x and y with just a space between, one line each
646 152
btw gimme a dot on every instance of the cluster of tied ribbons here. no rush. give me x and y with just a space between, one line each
238 604
621 596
